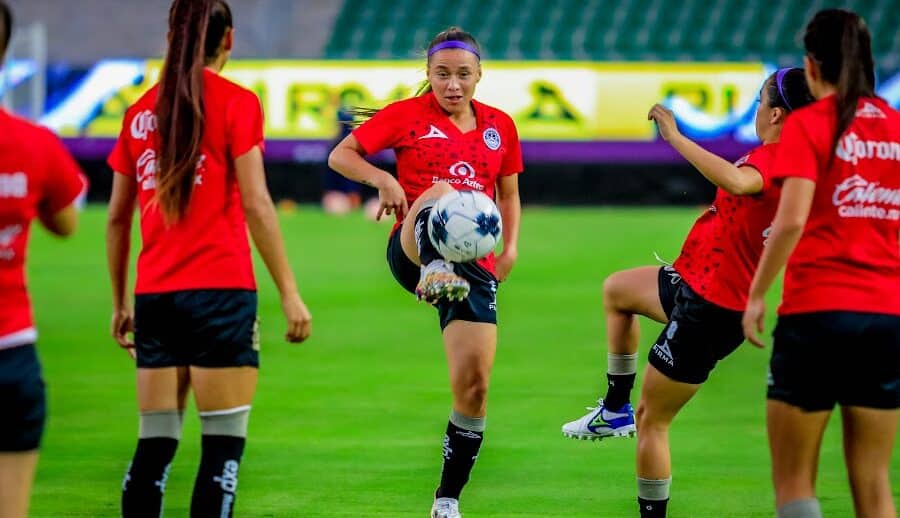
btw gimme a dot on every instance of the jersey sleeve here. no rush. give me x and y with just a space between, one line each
762 159
245 125
120 159
796 154
512 158
383 131
65 183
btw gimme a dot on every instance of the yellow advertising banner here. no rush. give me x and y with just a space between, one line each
571 101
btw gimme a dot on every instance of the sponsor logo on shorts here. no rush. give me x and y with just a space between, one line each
662 350
493 304
254 343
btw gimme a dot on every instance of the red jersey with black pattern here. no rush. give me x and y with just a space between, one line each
431 149
719 256
848 258
208 248
38 178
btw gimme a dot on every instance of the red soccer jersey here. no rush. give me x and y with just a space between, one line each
431 149
848 258
720 254
38 177
208 247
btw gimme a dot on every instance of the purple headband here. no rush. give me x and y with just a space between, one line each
779 78
454 44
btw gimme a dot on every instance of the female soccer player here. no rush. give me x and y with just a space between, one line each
837 340
445 140
190 153
38 178
700 299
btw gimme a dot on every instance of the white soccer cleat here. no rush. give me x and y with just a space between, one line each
601 423
445 508
437 281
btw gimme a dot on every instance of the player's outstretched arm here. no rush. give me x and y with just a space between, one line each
722 173
348 159
118 248
262 221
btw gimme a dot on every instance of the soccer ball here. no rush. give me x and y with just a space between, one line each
464 226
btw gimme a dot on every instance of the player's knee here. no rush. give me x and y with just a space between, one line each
614 290
474 393
646 419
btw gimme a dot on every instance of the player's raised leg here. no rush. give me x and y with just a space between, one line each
661 399
437 281
470 349
626 295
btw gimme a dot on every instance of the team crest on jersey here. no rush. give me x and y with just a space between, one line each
491 139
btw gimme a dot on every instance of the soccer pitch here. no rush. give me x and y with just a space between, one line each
350 423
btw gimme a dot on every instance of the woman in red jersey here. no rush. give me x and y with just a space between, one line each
837 340
38 179
190 154
445 140
700 298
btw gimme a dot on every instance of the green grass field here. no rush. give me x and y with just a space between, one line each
350 423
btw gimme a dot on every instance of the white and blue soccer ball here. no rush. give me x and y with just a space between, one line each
464 226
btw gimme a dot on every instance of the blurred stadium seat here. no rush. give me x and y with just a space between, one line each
604 30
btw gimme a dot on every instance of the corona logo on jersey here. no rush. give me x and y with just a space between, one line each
857 197
7 236
13 185
143 125
852 149
146 169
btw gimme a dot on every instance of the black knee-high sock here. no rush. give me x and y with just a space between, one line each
217 478
618 390
653 508
145 481
460 451
427 251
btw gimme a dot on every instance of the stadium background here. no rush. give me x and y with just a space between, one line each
348 425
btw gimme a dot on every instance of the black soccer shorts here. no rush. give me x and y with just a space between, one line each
479 306
836 357
668 282
23 402
698 335
202 328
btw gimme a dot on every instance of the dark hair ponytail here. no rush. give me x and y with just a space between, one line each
196 28
787 89
6 24
839 41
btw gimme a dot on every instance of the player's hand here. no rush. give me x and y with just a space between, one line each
665 121
299 319
753 320
122 324
505 262
391 198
